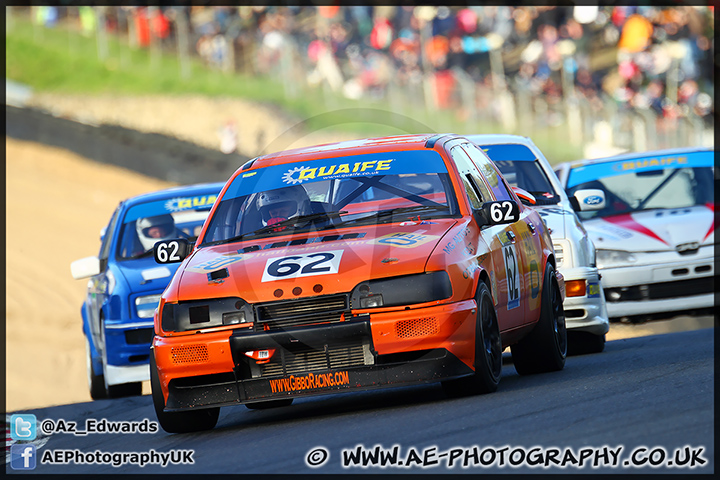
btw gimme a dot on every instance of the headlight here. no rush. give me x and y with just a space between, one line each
614 258
405 290
180 317
146 305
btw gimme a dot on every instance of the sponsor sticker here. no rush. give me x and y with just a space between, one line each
593 290
311 381
336 170
185 203
177 204
404 239
215 263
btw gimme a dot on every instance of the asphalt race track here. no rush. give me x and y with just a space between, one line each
654 392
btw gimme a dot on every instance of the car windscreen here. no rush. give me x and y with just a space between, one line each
647 183
521 168
144 224
333 192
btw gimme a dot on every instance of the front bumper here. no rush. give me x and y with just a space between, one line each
364 352
587 313
127 351
654 289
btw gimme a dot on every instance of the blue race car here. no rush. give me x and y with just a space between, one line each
125 283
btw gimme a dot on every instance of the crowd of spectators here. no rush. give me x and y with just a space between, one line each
658 58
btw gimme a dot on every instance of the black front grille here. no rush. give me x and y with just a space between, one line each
306 311
657 291
138 336
285 362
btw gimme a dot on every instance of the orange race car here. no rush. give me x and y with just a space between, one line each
350 266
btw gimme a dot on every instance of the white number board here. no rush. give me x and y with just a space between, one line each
302 265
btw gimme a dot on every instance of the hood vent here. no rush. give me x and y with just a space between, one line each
302 241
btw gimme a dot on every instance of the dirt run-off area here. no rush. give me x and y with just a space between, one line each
56 204
201 120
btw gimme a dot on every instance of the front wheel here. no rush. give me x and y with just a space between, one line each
96 381
488 351
179 422
544 349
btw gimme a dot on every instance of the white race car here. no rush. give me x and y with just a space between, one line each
653 228
523 165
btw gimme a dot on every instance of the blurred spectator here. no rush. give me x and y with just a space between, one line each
88 20
630 55
228 137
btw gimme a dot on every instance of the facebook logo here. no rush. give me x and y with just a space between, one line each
22 457
23 427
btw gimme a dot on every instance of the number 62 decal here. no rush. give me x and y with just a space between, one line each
500 212
171 251
302 265
512 272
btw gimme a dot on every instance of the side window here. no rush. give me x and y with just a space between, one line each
471 194
109 233
476 190
498 186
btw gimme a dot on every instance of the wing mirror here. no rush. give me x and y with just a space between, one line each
497 213
171 251
85 267
525 197
589 199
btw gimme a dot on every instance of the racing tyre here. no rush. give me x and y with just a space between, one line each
581 343
96 382
488 351
179 422
284 402
545 347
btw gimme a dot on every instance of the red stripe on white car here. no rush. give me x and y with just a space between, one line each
626 221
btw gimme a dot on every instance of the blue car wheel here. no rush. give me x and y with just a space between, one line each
96 381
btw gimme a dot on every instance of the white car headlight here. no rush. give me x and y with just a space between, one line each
614 258
146 305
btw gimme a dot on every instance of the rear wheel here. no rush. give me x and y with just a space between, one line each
581 343
284 402
488 351
545 347
179 422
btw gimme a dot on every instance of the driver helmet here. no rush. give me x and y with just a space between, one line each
151 230
279 205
